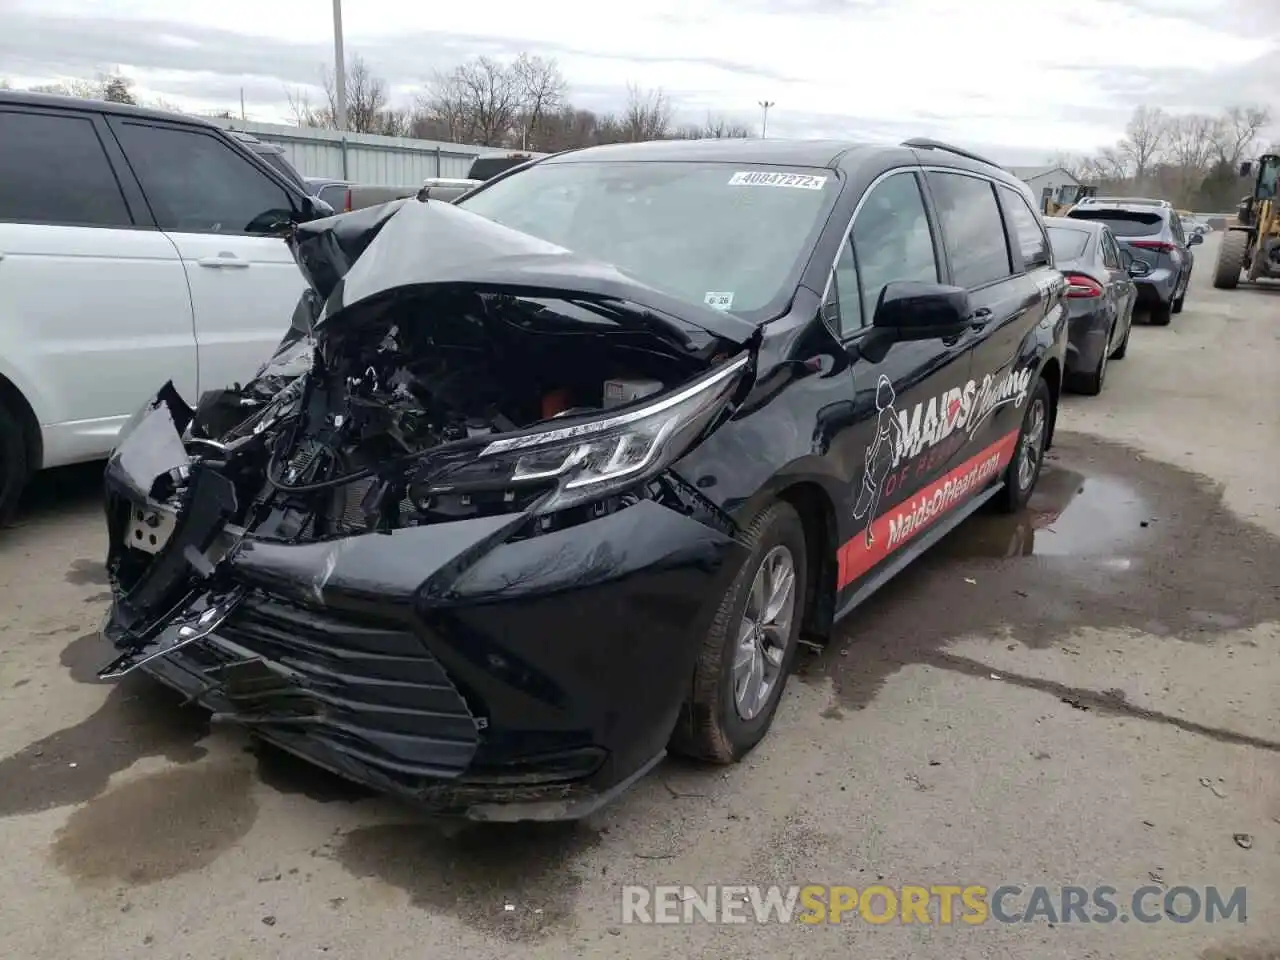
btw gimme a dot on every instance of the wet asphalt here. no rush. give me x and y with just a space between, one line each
1087 693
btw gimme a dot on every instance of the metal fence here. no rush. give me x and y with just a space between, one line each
363 157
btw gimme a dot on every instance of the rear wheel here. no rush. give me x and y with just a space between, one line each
13 464
749 650
1090 384
1235 245
1123 347
1028 456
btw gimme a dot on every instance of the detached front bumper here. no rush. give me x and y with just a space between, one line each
479 674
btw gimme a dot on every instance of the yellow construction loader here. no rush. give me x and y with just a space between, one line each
1068 197
1250 247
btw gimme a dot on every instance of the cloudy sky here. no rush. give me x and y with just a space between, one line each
1024 78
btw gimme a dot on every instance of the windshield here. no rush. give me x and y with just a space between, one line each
735 237
1267 177
1067 244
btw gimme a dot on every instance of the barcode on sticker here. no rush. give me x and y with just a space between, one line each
762 178
719 301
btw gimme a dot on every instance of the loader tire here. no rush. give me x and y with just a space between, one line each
1226 274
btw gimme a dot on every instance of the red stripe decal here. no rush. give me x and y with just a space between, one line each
899 525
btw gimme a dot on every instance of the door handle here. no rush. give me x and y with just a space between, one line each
223 260
980 318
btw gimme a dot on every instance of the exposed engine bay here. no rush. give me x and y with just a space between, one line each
397 403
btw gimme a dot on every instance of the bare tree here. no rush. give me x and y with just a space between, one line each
715 128
304 115
477 102
83 89
541 89
1189 142
366 98
1144 135
1236 133
1070 162
648 115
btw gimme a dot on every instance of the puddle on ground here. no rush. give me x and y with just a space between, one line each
139 718
85 656
1070 515
285 773
477 872
158 826
1080 556
84 572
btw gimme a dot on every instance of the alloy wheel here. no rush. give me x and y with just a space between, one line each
1031 449
764 632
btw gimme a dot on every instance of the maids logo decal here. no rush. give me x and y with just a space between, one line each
961 408
922 436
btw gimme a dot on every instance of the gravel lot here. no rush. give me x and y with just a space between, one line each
1085 694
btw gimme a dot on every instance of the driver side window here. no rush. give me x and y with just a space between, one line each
195 183
892 240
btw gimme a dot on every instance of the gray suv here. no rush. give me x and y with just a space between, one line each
1153 234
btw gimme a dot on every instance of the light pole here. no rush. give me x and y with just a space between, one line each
340 68
764 113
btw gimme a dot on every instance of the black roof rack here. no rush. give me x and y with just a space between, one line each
925 143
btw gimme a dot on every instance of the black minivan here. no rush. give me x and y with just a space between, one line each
565 470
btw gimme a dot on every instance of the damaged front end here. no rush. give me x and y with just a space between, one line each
437 545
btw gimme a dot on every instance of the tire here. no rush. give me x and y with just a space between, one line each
1161 314
13 464
712 725
1090 384
1018 488
1123 348
1226 273
1177 304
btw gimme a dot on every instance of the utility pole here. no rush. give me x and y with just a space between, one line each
764 113
340 68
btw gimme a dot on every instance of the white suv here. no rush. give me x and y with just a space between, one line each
135 247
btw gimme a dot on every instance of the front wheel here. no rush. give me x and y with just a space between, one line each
1028 455
1161 314
748 652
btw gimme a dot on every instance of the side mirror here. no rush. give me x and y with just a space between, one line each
1126 259
922 311
1194 239
1139 268
1246 169
313 208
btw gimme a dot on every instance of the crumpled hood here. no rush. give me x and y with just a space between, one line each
352 258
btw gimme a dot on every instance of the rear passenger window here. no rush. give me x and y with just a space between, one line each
54 170
972 228
195 183
1110 252
1027 230
892 239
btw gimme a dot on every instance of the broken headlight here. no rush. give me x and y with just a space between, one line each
587 459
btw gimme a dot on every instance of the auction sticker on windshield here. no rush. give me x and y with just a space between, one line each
762 178
719 301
